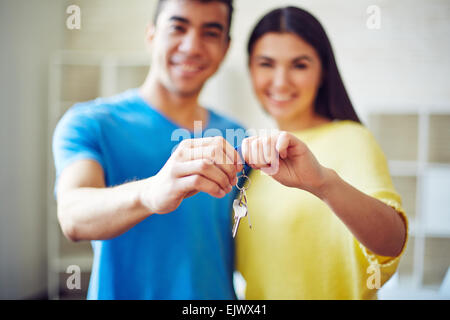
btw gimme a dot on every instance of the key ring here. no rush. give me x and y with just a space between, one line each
244 188
243 199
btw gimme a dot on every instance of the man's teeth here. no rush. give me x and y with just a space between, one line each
189 68
281 97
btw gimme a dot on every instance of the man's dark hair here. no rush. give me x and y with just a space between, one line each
228 3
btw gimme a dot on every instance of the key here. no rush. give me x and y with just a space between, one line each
240 211
240 204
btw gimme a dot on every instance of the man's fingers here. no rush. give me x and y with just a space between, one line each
194 183
206 168
214 155
231 153
247 151
216 149
232 156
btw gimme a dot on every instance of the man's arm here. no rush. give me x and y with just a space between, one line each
87 210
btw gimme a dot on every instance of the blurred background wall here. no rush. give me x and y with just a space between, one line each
30 32
401 68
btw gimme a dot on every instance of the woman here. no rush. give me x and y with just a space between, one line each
327 222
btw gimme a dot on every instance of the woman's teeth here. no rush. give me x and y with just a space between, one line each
281 98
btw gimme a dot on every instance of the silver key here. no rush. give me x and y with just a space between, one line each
240 211
240 205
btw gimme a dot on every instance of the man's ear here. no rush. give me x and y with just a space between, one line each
149 35
227 47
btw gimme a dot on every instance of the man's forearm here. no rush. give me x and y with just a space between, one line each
376 225
101 213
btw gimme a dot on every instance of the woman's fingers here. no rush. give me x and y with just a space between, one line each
282 144
260 152
265 150
271 155
270 152
250 151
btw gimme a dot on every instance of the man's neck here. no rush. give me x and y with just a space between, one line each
181 109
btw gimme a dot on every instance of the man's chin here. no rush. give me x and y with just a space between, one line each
187 92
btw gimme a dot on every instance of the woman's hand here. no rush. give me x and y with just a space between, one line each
287 159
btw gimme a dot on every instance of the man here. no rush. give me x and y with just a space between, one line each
140 252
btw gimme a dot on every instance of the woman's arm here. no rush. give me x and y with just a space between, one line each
288 160
376 225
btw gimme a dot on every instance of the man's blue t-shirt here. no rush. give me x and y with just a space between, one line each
185 254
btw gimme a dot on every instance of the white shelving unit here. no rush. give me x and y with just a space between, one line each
416 144
75 77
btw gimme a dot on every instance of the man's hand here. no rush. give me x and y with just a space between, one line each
287 159
198 165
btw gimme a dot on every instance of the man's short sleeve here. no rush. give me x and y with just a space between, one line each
76 137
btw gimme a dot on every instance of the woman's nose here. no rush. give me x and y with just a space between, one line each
281 78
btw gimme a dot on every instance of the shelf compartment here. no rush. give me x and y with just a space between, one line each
436 261
130 77
73 253
79 82
406 266
436 202
395 131
438 139
406 186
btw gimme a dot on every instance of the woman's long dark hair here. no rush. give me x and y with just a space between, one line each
332 100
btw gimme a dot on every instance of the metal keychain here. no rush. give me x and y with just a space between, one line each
240 205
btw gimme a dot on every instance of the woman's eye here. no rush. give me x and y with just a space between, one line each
265 65
300 66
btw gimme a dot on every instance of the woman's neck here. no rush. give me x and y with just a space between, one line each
302 122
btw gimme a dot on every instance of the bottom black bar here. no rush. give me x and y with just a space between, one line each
241 309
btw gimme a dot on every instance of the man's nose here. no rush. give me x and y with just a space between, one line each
191 43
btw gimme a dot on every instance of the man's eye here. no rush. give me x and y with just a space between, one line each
176 28
212 34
